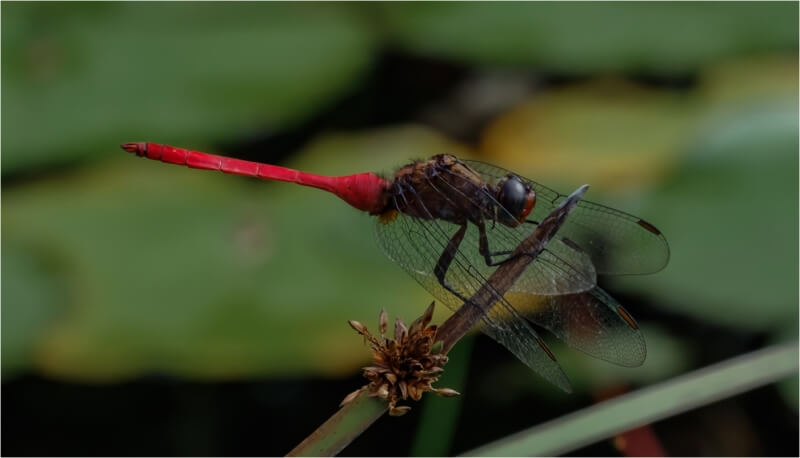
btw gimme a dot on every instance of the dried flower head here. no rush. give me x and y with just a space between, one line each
406 366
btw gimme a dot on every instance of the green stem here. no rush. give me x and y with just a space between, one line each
672 397
439 418
342 428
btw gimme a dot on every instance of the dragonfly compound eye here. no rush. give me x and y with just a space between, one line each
516 197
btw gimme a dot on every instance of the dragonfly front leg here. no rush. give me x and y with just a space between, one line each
443 264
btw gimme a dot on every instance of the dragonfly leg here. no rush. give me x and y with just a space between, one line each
483 247
443 264
567 241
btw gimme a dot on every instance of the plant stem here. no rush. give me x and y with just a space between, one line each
439 419
504 277
352 419
343 427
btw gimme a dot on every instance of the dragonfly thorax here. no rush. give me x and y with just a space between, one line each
443 188
446 188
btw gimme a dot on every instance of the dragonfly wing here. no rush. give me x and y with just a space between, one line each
415 244
509 329
551 291
592 321
563 268
617 242
559 269
412 248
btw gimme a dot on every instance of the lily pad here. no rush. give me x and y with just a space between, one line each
613 134
730 210
79 77
31 297
588 37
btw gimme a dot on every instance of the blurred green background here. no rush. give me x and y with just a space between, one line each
129 283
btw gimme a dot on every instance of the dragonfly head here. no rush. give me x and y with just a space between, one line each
517 198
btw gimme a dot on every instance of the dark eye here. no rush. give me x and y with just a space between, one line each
513 195
517 198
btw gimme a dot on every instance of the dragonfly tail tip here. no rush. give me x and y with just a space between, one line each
136 148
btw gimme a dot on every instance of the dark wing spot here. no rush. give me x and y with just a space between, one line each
544 347
626 316
572 244
648 226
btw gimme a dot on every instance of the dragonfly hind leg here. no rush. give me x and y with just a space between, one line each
443 265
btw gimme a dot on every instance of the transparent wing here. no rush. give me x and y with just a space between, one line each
551 292
560 269
416 244
616 242
593 322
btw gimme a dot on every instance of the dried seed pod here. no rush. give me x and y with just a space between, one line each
359 328
399 411
428 315
400 330
382 391
421 322
375 369
403 389
383 321
350 397
433 371
446 392
413 393
404 366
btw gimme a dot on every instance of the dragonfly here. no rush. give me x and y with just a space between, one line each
450 223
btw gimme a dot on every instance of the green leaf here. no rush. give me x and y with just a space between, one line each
730 215
585 37
32 301
645 406
613 134
80 77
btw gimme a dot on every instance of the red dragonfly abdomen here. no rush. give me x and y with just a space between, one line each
364 191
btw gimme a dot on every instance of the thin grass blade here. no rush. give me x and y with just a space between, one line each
666 399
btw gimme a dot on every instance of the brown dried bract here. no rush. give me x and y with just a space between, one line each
405 366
